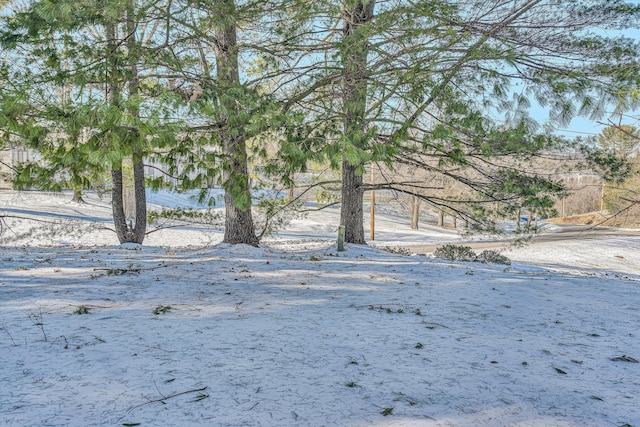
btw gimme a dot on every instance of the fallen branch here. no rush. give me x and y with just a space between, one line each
624 358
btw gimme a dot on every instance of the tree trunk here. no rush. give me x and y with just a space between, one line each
415 212
440 218
134 231
354 61
352 208
139 228
528 226
239 227
77 196
291 191
128 190
117 205
113 97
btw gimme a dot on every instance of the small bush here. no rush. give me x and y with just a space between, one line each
494 257
195 216
455 253
161 309
81 310
398 250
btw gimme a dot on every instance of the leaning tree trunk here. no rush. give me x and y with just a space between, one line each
354 62
239 227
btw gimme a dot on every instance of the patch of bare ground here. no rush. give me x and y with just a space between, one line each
598 219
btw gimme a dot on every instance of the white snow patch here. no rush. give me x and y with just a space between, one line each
185 331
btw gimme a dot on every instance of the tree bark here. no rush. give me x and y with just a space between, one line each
134 231
239 227
117 205
77 196
415 212
113 98
354 61
352 207
440 218
139 228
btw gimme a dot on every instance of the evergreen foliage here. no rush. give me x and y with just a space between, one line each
439 91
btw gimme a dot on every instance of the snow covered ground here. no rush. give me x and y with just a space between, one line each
186 331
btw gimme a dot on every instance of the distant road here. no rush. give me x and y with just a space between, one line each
565 232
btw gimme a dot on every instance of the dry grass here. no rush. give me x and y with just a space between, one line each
596 218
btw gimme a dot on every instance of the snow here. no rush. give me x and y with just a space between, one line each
187 331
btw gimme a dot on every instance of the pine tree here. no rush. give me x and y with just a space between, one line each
447 86
227 110
91 50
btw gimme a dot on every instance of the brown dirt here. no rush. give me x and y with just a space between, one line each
597 219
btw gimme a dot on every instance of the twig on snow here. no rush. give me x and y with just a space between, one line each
36 319
162 400
4 328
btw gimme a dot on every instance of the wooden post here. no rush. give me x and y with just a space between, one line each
341 238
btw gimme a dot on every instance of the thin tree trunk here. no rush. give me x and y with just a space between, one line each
354 62
117 205
415 212
113 97
140 198
239 227
291 191
440 218
140 226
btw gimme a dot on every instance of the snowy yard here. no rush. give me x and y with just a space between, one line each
189 332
